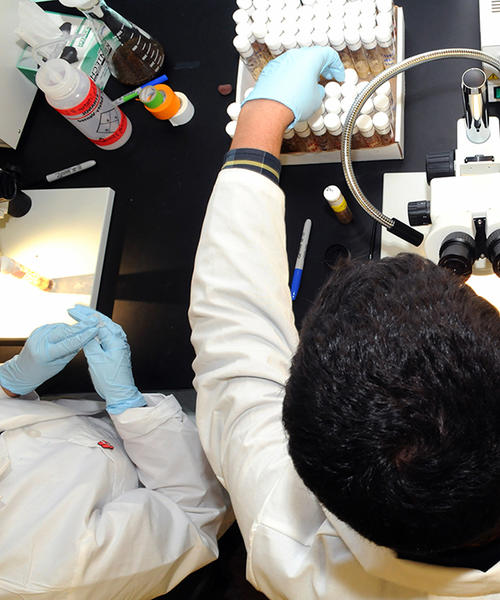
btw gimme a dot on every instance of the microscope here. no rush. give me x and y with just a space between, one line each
455 204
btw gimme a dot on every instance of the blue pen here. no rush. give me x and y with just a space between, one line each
136 92
299 263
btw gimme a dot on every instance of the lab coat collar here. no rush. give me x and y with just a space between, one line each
17 412
433 579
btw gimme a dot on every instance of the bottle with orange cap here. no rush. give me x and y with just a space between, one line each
163 103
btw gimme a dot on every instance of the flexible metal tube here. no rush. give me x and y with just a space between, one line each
363 96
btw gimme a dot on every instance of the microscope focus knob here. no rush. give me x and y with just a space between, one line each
440 164
419 212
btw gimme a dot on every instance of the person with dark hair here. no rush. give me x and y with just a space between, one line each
362 460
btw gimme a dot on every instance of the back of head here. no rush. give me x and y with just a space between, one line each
392 407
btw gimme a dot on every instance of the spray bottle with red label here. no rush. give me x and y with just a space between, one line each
73 94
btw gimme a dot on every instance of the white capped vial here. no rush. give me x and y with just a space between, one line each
320 25
367 130
245 4
233 110
332 123
368 7
305 25
372 50
353 7
384 6
261 4
231 128
382 103
289 41
304 39
351 21
321 12
385 20
275 29
355 46
290 28
273 42
383 127
319 38
332 105
345 104
348 90
351 77
338 43
367 22
338 204
259 16
386 45
241 16
305 12
333 90
291 4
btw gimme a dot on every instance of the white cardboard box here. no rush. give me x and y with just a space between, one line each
390 152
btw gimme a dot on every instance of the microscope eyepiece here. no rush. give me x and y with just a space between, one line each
493 250
457 253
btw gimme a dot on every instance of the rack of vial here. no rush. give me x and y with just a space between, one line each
357 29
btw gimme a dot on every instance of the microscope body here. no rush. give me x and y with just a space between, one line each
469 201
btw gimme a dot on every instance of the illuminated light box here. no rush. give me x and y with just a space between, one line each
401 188
62 238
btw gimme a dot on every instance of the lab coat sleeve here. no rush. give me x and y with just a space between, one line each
152 537
244 336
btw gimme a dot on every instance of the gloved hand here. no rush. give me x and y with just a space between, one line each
46 352
108 357
292 79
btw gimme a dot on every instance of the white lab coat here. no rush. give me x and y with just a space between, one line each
244 336
79 521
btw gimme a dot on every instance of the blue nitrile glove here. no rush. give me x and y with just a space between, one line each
46 352
292 79
110 368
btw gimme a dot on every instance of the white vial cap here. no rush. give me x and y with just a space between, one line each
332 193
381 122
304 39
292 3
337 39
385 89
321 12
351 77
244 29
260 31
233 110
367 35
288 134
368 6
351 37
367 22
305 25
290 27
275 14
319 38
333 89
305 12
244 4
290 14
317 124
332 105
384 5
261 4
308 2
385 20
383 34
247 92
276 3
320 25
345 104
332 123
381 102
231 128
259 16
301 126
351 22
348 90
273 42
289 41
240 16
365 124
368 108
353 6
274 28
242 44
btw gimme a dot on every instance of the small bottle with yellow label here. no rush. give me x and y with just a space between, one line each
337 202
